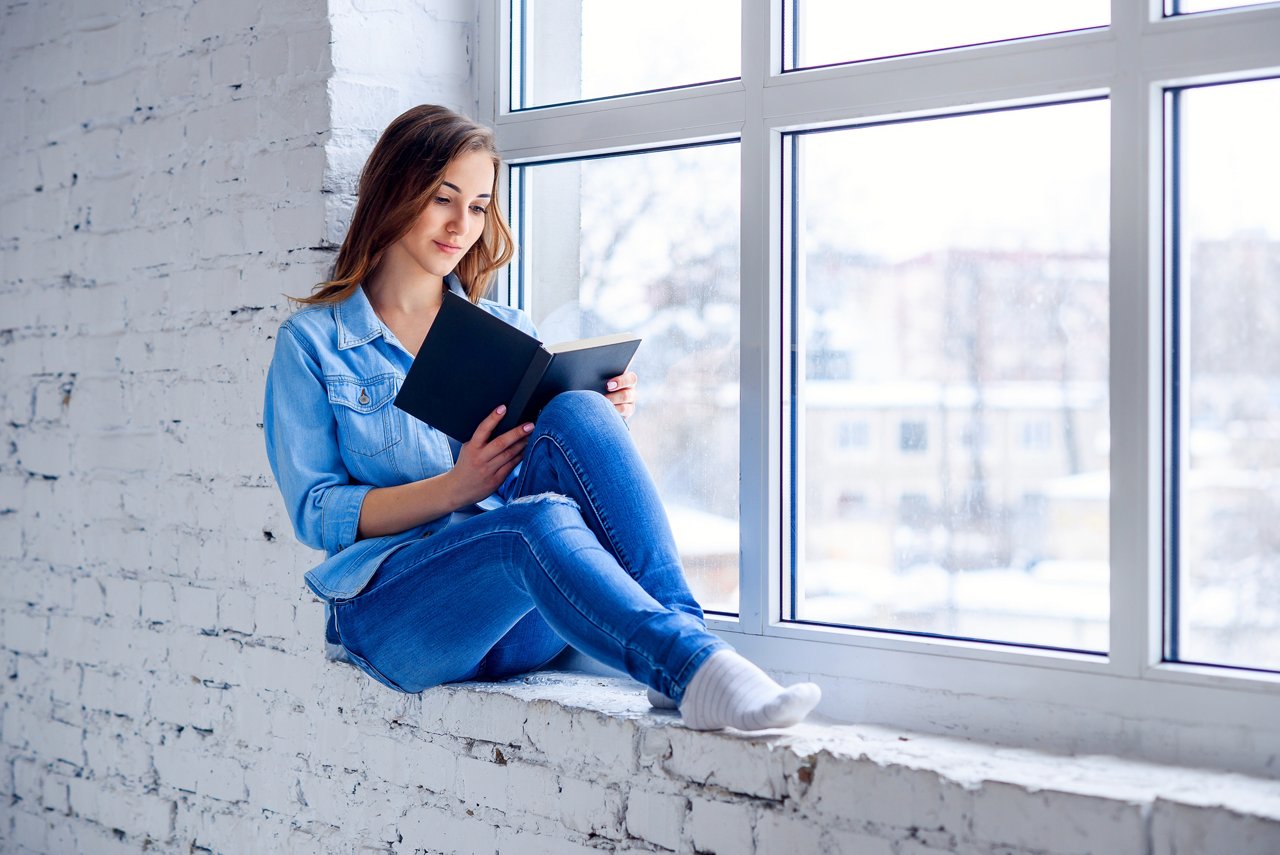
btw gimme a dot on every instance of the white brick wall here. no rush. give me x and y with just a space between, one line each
170 170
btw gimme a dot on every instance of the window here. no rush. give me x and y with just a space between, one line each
1000 238
565 51
822 32
850 505
854 435
1037 435
621 241
1182 7
913 437
1224 600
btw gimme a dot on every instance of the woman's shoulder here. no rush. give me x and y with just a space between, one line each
313 326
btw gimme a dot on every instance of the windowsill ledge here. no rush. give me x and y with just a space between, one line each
831 782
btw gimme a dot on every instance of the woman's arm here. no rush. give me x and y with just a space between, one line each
302 446
483 464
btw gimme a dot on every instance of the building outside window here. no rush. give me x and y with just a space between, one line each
913 437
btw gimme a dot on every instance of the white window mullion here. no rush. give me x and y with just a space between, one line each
492 81
1135 340
1035 69
760 532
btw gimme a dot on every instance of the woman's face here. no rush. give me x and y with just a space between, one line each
454 218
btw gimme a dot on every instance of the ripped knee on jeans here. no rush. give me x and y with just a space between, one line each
552 498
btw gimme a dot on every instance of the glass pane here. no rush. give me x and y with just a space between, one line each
1183 7
649 243
1229 592
822 32
951 380
574 50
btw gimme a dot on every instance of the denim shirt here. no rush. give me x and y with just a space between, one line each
333 434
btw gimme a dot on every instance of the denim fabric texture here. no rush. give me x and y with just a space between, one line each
582 553
333 433
573 547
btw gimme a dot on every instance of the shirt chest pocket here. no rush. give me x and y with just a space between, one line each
367 422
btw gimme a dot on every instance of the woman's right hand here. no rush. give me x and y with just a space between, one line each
485 460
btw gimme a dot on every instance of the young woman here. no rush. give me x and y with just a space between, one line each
447 561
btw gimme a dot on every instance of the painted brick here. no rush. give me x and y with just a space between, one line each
480 782
25 633
1056 821
158 603
717 759
656 817
88 599
866 791
101 690
438 831
493 717
32 832
276 619
235 611
1177 829
197 607
590 808
537 786
721 827
785 832
123 597
272 788
428 765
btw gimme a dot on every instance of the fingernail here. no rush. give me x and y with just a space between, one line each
502 408
613 384
528 427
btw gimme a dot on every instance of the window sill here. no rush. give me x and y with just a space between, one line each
587 751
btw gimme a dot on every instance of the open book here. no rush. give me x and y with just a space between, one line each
472 361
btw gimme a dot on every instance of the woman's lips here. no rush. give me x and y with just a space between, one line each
447 248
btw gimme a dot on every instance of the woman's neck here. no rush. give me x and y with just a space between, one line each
404 289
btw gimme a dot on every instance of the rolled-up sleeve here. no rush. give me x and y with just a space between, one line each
302 447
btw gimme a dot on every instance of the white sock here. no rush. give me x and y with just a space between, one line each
661 701
729 691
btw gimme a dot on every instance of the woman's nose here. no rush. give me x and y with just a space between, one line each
457 224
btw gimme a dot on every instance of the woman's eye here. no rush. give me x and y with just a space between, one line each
479 209
443 200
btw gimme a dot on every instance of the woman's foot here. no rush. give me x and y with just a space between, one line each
660 701
729 691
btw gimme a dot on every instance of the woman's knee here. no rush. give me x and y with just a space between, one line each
546 515
576 410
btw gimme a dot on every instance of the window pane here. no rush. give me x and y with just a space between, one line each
958 266
822 32
649 242
1229 592
574 50
1182 7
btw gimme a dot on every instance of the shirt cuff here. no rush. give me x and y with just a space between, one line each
341 516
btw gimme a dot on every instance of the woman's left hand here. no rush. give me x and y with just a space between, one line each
622 393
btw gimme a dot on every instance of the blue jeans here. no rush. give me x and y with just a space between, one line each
583 554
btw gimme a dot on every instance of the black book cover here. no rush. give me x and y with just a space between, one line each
472 361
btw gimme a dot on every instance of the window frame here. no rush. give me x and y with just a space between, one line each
1207 715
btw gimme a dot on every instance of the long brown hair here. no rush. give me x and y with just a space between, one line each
401 176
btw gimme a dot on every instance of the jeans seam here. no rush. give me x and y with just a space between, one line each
584 483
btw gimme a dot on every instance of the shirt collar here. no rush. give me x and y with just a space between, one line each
359 324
